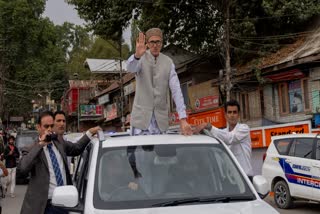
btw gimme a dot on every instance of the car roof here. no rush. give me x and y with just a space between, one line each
157 140
311 135
73 137
27 133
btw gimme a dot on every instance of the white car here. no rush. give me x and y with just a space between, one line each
292 168
161 174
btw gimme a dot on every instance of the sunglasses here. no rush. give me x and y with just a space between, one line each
47 126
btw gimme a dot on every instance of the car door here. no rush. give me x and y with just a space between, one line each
297 166
80 177
315 170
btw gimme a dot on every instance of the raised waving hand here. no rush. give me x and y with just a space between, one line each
141 46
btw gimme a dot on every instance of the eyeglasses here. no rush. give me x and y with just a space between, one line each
155 43
47 126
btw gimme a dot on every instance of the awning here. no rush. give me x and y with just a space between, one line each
284 76
105 65
90 118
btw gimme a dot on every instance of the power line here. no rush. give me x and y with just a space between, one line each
282 36
258 52
268 17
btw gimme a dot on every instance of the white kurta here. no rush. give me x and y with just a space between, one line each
239 142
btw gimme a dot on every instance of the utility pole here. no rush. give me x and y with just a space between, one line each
1 88
228 84
121 86
2 71
76 78
48 99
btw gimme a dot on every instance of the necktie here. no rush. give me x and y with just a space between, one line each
55 165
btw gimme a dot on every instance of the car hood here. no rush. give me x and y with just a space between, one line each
251 207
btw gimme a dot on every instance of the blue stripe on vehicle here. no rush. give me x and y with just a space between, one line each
298 178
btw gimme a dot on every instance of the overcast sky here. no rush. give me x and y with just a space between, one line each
59 12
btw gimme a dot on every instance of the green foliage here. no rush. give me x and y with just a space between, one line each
32 55
101 13
198 25
97 48
191 24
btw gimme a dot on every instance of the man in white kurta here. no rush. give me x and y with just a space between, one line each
236 136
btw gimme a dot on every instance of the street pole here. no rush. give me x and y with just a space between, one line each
1 88
78 102
76 78
228 84
121 87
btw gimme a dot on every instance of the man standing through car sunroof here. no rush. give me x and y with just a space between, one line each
155 74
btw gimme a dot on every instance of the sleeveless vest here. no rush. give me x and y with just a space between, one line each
152 87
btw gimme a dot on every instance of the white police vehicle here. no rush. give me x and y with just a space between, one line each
292 168
161 174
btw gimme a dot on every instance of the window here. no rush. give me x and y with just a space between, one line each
318 150
302 148
293 96
244 108
164 173
283 95
262 102
283 145
250 106
184 90
305 94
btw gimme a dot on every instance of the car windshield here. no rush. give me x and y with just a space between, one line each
147 176
25 140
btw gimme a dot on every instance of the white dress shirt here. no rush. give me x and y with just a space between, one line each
239 142
134 66
53 182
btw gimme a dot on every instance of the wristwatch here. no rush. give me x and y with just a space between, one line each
208 126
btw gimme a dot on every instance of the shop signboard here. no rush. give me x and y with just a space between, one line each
203 96
261 136
103 99
215 117
90 110
112 111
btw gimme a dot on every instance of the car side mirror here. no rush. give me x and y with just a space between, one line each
261 186
65 196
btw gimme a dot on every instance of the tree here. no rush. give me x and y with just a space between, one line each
180 20
33 57
197 25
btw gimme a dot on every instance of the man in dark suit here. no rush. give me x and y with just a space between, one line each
47 162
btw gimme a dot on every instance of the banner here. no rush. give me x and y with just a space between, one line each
261 136
207 102
215 117
256 139
112 111
203 96
90 110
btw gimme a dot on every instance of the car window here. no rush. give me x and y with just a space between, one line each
25 140
302 148
136 177
283 145
318 150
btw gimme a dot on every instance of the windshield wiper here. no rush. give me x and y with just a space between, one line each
203 200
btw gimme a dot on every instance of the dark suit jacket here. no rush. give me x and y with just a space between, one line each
34 161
